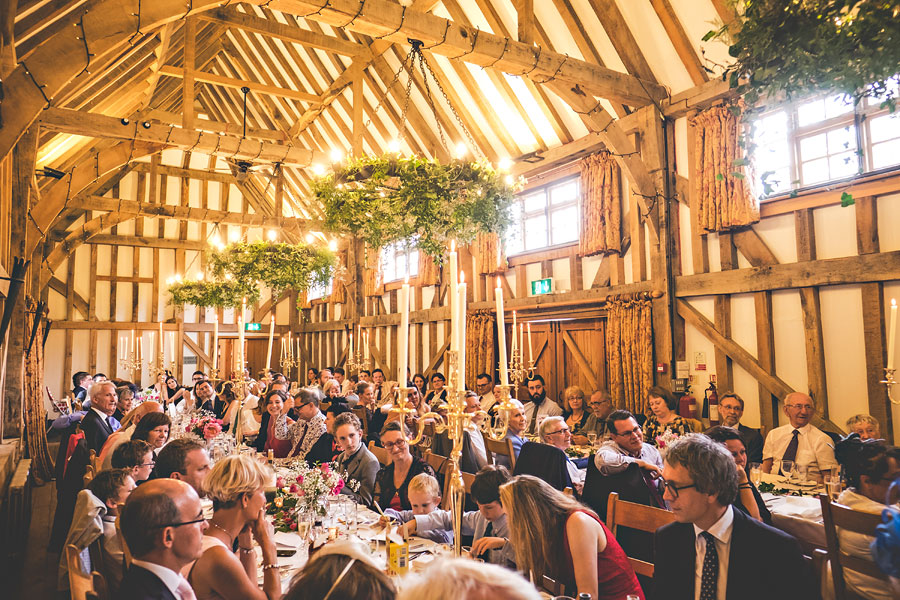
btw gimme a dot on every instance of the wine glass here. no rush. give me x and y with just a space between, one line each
592 438
787 469
755 473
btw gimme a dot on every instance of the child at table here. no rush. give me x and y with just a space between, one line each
487 525
425 497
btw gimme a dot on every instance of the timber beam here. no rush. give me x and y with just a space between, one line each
63 120
391 21
230 82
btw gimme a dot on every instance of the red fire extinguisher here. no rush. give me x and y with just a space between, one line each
711 404
687 405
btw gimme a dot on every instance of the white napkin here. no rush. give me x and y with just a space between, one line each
287 539
797 506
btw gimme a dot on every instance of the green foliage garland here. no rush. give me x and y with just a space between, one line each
388 199
239 269
803 47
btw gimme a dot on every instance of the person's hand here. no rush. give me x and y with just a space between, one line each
655 471
742 475
482 545
245 537
580 440
384 522
579 487
409 527
288 405
262 529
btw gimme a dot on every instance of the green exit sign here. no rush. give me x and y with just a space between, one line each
252 326
541 286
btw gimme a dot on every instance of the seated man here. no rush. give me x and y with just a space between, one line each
799 441
555 432
626 446
712 551
307 430
98 423
137 457
81 381
731 409
601 406
185 460
163 525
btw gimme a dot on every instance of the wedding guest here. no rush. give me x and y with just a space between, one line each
664 418
515 428
484 385
312 376
425 498
625 446
574 411
538 406
601 406
696 555
799 441
341 377
866 426
236 486
186 460
438 392
81 381
392 481
175 392
378 382
163 525
303 434
355 460
870 467
341 571
153 428
326 448
98 422
454 578
749 499
137 457
474 453
555 432
125 402
124 433
205 396
332 390
731 409
554 535
419 383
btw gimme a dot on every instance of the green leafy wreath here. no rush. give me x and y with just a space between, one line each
806 47
238 270
424 202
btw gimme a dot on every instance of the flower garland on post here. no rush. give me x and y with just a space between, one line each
388 199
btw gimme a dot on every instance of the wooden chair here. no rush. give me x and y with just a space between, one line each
636 516
467 478
552 587
502 447
380 453
125 549
80 585
360 412
837 515
95 461
88 476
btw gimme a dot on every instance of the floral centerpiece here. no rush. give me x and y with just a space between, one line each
665 440
204 425
301 488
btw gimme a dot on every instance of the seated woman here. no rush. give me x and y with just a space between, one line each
554 535
866 426
555 432
153 428
392 481
870 467
749 499
359 464
236 486
274 405
342 570
332 391
574 410
664 418
515 427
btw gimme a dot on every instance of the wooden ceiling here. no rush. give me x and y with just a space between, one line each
306 62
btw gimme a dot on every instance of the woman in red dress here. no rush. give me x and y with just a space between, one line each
274 405
554 535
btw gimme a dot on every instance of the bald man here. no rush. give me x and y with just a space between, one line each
799 441
124 434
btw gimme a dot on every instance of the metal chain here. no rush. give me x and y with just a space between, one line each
420 58
388 87
459 120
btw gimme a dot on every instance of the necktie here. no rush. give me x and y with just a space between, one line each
489 530
533 423
709 581
113 424
184 590
791 452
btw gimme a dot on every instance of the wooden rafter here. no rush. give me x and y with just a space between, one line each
680 40
237 84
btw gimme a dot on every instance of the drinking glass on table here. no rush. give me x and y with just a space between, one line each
802 472
592 438
755 473
833 486
787 468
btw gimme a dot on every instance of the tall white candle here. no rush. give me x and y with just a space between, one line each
892 334
462 333
515 336
522 341
403 341
366 348
350 350
161 347
530 347
501 334
271 339
133 342
454 299
215 344
290 346
139 344
240 372
172 347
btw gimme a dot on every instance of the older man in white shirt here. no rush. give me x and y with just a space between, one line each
799 441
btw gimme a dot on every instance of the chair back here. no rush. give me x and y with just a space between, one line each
95 461
544 462
502 447
88 476
80 583
843 517
360 412
467 478
126 551
380 453
636 516
629 485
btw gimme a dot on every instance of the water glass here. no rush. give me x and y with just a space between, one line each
592 438
787 469
755 473
802 472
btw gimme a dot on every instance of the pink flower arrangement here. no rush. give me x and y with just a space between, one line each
211 430
206 426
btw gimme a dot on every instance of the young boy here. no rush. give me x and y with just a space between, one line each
487 524
136 456
425 497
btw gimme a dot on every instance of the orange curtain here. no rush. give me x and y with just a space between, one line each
601 197
724 198
488 251
429 274
35 415
629 352
479 344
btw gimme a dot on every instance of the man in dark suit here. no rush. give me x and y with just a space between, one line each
98 423
731 409
713 552
163 525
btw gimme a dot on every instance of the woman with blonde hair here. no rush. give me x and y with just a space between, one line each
554 535
341 571
573 409
236 486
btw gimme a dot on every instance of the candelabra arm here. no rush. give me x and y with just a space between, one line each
889 382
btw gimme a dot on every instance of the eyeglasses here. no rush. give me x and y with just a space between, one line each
599 403
563 430
801 407
635 431
149 464
674 489
390 445
195 521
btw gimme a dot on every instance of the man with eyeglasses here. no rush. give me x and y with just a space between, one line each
163 525
601 406
555 432
713 552
799 441
309 427
484 385
624 447
731 409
